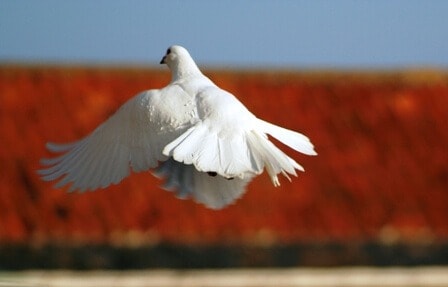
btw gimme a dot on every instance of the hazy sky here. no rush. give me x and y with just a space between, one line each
294 34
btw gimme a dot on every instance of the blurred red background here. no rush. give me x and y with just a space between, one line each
381 173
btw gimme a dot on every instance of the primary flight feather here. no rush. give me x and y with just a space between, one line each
201 139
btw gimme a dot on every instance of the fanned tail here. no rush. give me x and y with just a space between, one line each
228 156
242 155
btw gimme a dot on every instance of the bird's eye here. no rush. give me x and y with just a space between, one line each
168 51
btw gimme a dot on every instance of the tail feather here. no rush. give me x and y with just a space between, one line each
208 152
273 158
243 154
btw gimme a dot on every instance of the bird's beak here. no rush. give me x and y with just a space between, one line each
163 61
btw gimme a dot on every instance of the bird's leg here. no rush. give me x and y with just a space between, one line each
213 173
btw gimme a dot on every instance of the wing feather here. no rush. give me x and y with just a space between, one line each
294 140
127 139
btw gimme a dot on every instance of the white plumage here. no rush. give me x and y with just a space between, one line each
200 138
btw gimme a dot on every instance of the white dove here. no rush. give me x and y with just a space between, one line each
200 138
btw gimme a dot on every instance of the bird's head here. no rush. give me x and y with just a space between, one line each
179 61
174 54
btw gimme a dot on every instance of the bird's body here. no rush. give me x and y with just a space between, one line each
201 139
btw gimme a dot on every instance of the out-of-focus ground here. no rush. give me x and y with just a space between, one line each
376 194
340 277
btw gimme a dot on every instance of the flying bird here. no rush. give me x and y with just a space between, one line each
200 138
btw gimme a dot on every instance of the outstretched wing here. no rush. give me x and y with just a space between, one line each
127 139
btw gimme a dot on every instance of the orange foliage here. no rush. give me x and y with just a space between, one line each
382 164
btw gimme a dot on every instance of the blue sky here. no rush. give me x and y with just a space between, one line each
288 34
